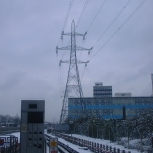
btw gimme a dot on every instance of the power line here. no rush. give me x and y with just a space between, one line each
80 17
67 15
83 10
112 22
85 67
76 9
66 18
96 15
133 13
107 27
119 28
65 21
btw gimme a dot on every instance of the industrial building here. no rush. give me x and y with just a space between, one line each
108 107
102 104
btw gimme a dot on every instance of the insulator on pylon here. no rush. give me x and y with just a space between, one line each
56 49
83 38
62 35
84 35
90 50
60 62
86 63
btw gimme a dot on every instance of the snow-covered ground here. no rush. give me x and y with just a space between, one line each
100 141
105 142
124 141
134 145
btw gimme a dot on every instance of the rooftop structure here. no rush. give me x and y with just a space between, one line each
122 94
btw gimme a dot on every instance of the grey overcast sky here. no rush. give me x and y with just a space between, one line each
121 32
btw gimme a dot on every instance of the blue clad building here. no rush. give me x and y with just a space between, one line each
108 107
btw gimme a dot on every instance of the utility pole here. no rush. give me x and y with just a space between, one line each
73 83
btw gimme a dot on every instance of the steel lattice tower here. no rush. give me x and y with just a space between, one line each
73 83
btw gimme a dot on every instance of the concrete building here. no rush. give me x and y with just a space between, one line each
122 94
108 107
102 91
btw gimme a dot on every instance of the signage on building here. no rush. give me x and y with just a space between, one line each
23 128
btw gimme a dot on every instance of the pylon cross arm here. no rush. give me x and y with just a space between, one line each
81 48
68 61
64 48
80 62
68 34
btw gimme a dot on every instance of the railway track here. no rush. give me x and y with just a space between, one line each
62 148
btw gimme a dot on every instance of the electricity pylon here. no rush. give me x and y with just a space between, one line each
73 83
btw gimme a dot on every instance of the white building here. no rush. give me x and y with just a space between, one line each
102 91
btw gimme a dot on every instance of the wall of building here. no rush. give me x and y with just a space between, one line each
122 94
109 107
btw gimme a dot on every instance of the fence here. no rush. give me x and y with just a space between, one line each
93 146
9 144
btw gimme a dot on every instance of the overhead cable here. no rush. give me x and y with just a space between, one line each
65 21
83 10
96 15
67 15
112 22
119 28
66 18
107 27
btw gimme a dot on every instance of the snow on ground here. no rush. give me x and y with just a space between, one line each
17 134
105 142
75 147
100 141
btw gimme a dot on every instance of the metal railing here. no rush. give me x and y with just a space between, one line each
93 146
9 144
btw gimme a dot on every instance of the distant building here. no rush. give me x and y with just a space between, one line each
58 128
102 91
103 105
109 107
122 94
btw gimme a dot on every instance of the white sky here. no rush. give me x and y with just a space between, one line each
30 32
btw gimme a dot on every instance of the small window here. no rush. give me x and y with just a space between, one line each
35 117
32 106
